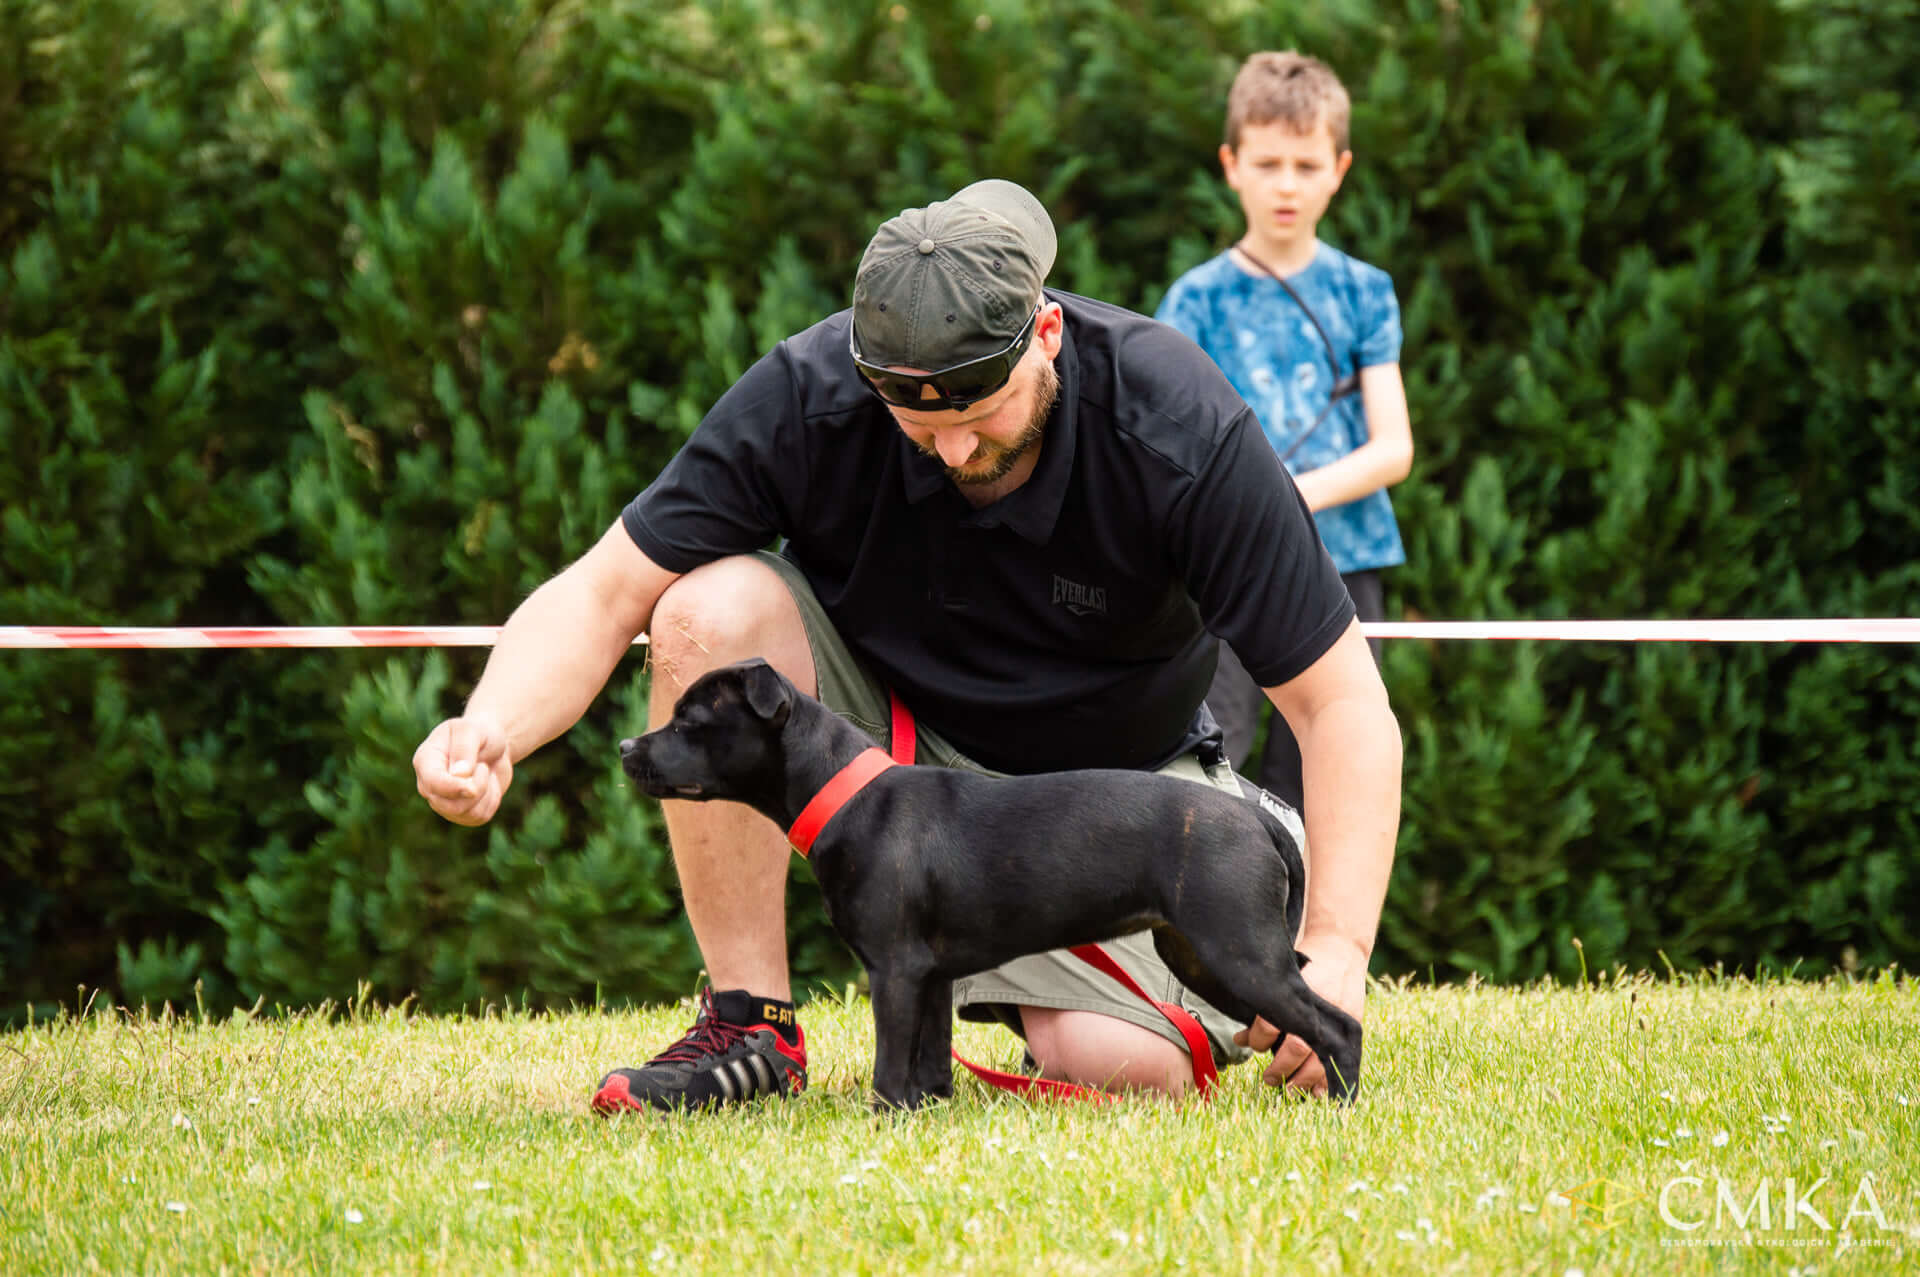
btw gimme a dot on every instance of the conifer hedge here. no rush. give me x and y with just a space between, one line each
376 311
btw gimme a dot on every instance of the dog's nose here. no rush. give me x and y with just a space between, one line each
627 745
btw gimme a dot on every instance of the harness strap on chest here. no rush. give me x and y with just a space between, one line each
826 804
853 778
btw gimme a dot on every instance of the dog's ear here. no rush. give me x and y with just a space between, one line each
769 695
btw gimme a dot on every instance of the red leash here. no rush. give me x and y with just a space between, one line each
854 777
1199 1051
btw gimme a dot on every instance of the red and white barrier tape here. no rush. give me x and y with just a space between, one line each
275 636
1844 630
1897 629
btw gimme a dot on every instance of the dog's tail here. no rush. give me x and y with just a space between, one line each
1288 832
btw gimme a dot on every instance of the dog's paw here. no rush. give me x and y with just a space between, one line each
1343 1071
905 1105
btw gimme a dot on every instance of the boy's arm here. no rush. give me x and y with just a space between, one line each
1382 461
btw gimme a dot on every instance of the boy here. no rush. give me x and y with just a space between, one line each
1310 337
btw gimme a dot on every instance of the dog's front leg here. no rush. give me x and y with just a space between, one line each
933 1043
896 1021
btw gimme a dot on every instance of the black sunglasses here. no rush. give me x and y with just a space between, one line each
960 386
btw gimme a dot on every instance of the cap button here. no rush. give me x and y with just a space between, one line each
926 246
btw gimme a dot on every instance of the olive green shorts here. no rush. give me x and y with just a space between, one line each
1055 979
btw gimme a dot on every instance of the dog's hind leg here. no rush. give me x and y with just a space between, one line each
1178 954
1337 1042
1273 985
1289 1003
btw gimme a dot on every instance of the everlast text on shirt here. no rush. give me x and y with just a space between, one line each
1081 600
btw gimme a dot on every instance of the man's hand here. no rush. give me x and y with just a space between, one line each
1337 973
463 769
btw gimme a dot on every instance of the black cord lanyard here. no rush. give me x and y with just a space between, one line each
1342 385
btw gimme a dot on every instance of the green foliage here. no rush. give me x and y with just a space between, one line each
541 903
138 471
376 311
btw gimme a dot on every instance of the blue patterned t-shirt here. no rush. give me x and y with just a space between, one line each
1269 349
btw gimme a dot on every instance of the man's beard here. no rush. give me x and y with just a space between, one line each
1005 456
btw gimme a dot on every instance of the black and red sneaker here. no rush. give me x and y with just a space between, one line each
737 1050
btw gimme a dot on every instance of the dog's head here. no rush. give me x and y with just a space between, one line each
723 740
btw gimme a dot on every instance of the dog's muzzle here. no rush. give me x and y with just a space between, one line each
636 759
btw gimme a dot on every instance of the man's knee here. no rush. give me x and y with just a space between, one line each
729 610
1104 1051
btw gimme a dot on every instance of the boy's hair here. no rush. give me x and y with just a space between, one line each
1287 88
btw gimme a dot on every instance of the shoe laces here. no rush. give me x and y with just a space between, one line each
709 1036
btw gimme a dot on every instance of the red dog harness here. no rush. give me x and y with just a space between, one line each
854 777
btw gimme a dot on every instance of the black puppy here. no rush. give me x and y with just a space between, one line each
930 873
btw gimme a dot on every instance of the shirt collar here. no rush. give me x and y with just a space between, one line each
1032 509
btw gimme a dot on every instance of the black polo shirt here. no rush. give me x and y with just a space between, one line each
1065 625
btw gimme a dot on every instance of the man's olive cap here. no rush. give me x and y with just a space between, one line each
954 281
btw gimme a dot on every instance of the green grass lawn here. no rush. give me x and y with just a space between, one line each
1501 1131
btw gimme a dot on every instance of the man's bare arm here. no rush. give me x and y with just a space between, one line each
553 656
1350 756
1350 762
